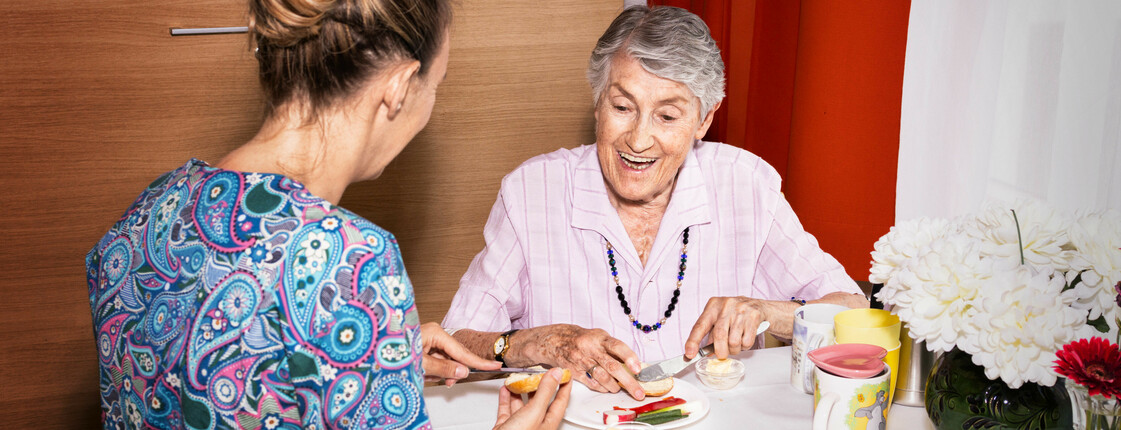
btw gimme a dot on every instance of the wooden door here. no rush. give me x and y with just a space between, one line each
97 99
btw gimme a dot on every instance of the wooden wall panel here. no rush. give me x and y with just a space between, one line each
96 100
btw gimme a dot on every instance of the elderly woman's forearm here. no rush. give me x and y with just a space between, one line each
482 344
781 312
479 343
849 300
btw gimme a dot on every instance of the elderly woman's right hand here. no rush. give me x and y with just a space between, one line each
597 360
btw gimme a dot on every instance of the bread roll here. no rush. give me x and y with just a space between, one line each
656 388
522 383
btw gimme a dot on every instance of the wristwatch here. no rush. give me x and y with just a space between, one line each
501 345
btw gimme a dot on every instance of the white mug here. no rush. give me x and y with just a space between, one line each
850 403
813 329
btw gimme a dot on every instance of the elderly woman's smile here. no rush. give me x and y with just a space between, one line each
636 162
645 126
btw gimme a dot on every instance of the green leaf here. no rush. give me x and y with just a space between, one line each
1099 324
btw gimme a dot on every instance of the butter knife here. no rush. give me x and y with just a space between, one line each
512 370
671 366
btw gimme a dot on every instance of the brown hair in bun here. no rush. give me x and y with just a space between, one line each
319 51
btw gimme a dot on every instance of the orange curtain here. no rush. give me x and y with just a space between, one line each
815 87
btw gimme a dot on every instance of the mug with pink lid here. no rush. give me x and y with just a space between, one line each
851 386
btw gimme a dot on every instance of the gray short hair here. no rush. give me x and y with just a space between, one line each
671 43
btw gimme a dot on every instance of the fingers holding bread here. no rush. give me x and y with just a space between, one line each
616 375
559 402
523 383
546 406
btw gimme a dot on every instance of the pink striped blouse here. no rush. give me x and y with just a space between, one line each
545 259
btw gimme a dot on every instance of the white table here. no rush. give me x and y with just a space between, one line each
764 399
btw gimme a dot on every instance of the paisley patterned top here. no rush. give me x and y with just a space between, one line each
224 299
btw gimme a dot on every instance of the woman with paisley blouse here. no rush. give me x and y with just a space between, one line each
241 296
638 247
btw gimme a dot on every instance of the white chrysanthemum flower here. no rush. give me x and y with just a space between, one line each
1097 239
893 290
1023 318
1042 231
965 284
934 291
902 243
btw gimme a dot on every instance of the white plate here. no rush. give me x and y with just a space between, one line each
585 407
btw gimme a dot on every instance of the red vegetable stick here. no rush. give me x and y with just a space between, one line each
664 403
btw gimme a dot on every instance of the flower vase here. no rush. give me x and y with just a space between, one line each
1093 412
960 396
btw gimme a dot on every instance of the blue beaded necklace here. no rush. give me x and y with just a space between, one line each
676 291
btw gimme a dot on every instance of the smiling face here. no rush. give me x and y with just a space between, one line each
645 126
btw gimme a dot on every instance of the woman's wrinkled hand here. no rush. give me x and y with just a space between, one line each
445 358
596 359
543 411
730 322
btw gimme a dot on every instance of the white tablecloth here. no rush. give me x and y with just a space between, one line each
764 399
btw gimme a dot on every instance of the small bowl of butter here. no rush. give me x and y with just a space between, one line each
721 374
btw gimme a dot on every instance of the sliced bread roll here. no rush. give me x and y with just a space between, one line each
522 383
656 388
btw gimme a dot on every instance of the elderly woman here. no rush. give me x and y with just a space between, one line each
640 246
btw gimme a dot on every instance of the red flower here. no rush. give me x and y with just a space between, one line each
1094 363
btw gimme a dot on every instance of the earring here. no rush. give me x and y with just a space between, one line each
400 105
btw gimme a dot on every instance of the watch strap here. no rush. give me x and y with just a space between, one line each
499 355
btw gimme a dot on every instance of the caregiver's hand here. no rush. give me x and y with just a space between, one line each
730 322
596 359
542 412
447 359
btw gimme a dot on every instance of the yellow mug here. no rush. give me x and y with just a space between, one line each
872 326
875 327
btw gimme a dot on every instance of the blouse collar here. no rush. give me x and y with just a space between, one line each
688 206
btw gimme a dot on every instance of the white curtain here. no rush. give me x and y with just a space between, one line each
1003 99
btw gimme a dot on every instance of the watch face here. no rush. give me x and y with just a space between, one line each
500 345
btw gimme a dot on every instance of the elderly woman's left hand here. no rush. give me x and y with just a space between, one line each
599 361
731 323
